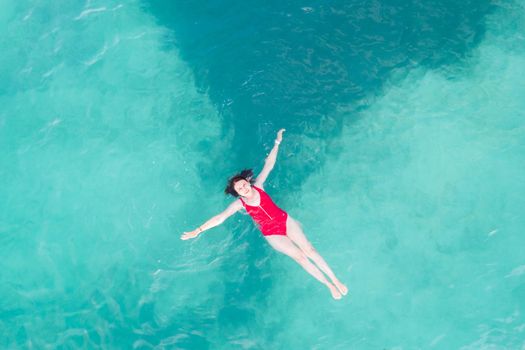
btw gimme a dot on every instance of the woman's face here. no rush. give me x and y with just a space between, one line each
242 187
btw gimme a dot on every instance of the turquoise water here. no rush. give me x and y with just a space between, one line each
404 160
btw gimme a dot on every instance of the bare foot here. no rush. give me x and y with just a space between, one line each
335 293
342 288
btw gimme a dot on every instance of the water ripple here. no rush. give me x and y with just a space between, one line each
88 12
518 271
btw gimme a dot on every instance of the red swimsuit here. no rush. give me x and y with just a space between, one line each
270 219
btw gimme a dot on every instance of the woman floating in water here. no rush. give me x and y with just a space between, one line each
282 232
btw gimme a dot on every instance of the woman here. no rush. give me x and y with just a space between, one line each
282 232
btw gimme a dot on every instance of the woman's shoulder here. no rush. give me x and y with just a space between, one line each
259 187
237 205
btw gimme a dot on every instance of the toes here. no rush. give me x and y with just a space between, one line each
344 290
335 293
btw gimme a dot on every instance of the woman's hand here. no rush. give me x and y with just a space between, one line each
188 235
279 136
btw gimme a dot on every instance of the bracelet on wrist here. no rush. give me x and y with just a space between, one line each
277 142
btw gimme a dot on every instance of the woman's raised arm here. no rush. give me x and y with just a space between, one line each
270 160
214 221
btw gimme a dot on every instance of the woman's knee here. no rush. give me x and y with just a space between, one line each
299 257
294 253
309 250
284 245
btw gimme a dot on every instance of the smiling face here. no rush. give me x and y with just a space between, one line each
243 188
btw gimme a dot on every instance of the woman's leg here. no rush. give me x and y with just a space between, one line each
284 245
295 232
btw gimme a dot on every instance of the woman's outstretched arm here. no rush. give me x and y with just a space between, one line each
270 160
214 221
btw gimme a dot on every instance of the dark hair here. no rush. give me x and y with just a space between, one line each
246 174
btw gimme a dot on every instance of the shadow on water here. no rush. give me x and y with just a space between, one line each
267 65
276 64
